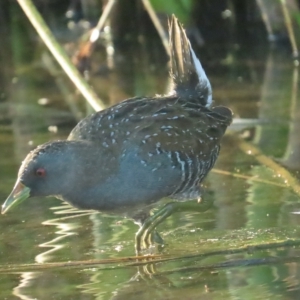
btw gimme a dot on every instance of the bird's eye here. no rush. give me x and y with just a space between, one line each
40 172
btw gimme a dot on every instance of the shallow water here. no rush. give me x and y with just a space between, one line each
245 246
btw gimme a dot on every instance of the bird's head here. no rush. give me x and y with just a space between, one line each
46 171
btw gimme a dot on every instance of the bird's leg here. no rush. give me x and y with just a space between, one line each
145 236
156 238
150 232
147 233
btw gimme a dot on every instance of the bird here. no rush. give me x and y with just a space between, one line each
124 159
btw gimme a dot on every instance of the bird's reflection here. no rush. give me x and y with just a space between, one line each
27 278
64 230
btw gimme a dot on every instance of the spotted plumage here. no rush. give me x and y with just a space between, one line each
169 133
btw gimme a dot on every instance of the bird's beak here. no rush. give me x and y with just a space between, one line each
18 195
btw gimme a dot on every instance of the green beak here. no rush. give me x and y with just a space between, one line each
18 195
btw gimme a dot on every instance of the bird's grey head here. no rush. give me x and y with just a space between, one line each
52 169
46 169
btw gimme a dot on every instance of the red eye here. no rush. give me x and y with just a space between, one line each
40 172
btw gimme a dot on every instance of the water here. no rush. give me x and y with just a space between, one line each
245 246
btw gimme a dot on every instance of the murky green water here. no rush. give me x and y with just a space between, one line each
246 246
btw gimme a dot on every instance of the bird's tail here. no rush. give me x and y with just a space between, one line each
189 78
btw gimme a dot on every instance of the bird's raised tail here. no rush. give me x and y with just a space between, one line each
189 78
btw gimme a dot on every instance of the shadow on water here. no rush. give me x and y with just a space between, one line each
246 246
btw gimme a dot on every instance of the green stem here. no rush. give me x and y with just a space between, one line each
59 54
289 27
